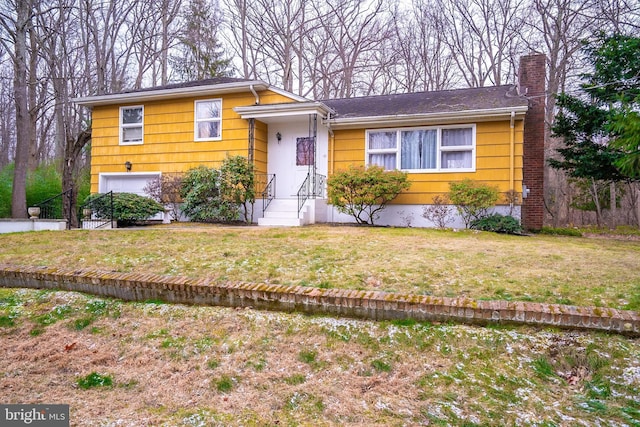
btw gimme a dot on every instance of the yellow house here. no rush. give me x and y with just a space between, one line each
295 143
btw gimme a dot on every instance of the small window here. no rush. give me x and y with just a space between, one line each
208 125
383 149
304 151
457 148
131 125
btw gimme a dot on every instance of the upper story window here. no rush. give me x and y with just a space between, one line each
208 126
131 124
429 149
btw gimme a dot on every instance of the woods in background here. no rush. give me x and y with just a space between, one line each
54 50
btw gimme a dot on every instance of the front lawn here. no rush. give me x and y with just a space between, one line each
147 364
481 265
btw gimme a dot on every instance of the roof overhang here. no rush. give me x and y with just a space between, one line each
274 111
396 120
161 94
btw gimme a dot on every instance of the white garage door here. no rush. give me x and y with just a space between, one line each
132 182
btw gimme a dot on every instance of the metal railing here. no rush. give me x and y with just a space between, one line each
97 212
54 207
312 187
266 186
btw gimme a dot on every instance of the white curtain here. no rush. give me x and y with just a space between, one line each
382 140
457 137
419 149
386 160
460 137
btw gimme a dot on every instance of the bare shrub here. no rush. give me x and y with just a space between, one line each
439 212
166 190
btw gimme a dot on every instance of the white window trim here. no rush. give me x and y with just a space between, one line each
196 121
132 125
440 148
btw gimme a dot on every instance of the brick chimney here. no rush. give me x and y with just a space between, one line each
532 78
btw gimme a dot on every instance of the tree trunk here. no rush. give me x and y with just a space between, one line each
596 201
23 130
612 205
72 151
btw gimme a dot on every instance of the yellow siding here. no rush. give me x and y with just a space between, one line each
492 161
260 151
169 143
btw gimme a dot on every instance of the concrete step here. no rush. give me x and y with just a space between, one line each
280 222
283 213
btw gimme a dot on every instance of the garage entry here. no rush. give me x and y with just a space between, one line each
127 182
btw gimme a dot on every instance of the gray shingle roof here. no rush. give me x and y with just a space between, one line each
484 98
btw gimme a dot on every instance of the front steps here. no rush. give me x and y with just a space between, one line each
284 213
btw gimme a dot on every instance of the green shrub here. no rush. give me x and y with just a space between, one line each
217 195
43 183
472 199
498 224
237 184
202 199
6 186
128 208
362 192
561 231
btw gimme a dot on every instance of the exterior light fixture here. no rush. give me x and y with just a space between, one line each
279 137
128 165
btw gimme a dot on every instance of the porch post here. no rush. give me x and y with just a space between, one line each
252 143
315 154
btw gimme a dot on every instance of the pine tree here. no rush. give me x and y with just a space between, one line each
201 55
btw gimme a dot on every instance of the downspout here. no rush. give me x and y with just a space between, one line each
512 156
253 91
332 149
332 145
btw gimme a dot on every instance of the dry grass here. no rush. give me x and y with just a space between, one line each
197 366
553 269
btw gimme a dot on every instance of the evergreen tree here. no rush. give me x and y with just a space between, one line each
201 54
600 124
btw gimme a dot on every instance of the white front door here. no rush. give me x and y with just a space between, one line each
282 158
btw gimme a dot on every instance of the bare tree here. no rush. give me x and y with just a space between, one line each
557 28
154 31
16 22
277 28
355 30
481 35
103 24
7 113
423 60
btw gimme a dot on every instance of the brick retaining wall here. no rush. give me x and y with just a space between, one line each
349 303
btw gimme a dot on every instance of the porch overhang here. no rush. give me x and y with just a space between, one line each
269 112
448 117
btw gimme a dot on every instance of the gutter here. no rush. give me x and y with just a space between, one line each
428 118
160 94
